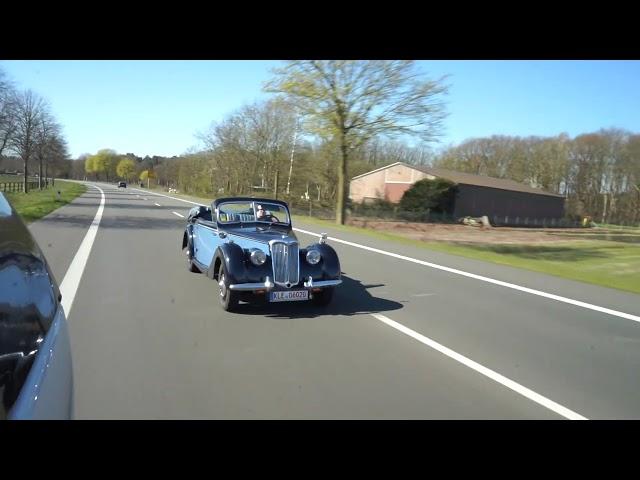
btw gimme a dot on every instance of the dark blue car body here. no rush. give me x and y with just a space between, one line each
222 251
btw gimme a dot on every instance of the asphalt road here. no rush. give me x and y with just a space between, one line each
149 340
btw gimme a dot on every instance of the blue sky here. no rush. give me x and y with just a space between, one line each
156 107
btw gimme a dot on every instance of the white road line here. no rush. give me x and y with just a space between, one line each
487 372
168 196
513 286
176 213
157 205
145 198
71 280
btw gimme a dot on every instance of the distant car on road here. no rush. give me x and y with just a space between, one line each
122 185
248 247
36 379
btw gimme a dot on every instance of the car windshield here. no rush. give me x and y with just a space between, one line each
245 212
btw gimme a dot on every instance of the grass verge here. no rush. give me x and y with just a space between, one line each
38 203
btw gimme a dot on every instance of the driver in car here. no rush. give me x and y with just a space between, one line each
264 215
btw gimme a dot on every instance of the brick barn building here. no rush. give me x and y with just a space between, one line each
476 195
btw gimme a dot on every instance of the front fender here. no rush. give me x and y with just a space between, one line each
232 256
327 269
187 237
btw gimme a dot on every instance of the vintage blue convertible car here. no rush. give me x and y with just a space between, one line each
248 247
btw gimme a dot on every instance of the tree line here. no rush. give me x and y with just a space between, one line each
255 151
31 138
597 172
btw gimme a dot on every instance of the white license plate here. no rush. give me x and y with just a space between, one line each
289 296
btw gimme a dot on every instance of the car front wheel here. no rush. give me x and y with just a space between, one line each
191 266
228 298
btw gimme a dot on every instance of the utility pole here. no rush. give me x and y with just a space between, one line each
275 188
293 149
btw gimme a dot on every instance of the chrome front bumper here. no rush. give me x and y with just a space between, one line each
321 283
268 284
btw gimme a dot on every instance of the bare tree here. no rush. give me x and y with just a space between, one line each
47 135
58 161
250 146
29 110
7 112
355 101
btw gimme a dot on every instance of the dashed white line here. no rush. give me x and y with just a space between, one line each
176 213
174 198
157 205
487 372
71 280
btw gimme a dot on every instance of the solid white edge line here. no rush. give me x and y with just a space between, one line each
487 372
176 213
513 286
71 280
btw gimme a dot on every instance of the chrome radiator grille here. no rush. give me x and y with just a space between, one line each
285 263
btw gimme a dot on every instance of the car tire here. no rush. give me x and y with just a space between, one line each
228 298
191 266
323 298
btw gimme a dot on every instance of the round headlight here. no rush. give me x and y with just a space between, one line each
313 256
258 257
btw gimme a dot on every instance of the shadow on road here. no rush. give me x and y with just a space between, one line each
350 298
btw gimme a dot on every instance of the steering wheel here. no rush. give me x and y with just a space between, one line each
275 219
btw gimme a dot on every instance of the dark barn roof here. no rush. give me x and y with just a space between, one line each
483 181
471 179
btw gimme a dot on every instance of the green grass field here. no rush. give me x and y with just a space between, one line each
36 204
608 264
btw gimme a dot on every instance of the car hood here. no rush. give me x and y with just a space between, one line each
262 235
